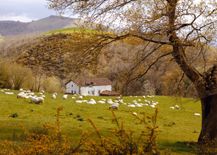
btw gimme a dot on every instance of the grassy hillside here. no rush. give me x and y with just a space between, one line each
176 126
73 30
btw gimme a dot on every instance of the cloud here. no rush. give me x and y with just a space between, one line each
24 10
22 17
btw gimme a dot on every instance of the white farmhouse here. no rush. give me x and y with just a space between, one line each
88 86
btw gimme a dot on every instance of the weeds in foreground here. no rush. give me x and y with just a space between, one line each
125 141
120 141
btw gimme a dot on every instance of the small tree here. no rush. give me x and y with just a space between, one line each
52 84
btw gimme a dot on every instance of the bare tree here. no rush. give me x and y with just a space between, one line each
180 24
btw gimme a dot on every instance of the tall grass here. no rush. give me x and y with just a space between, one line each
50 140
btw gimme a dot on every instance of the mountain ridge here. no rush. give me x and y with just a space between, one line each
10 28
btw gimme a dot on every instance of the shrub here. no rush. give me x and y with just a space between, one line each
49 140
13 75
52 84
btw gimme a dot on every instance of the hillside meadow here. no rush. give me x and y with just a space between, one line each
177 127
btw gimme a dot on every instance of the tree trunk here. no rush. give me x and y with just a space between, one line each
209 120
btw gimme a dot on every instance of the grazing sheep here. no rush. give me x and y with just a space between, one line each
65 97
177 107
36 100
153 106
79 101
102 102
22 95
172 107
54 96
114 106
91 101
9 93
80 97
109 101
134 113
138 105
131 105
196 114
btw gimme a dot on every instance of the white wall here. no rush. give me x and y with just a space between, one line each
71 88
94 90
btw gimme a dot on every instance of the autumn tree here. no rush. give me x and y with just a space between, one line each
180 24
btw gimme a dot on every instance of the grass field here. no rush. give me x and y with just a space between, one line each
176 126
74 30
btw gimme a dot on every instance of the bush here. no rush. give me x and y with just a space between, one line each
14 76
49 140
52 84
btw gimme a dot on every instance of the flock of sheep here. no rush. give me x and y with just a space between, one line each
114 103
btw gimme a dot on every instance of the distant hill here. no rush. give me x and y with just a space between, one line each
10 28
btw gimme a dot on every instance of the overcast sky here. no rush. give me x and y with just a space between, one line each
24 10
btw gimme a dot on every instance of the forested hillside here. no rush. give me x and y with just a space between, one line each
70 53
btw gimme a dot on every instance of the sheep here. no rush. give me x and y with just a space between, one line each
114 106
172 107
138 105
54 96
80 97
65 97
196 114
22 95
175 107
79 101
153 106
9 93
36 100
131 105
102 102
109 101
134 113
91 101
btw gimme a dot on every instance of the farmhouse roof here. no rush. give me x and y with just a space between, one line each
92 81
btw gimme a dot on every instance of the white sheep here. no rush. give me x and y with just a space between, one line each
9 93
65 97
79 101
21 95
153 106
114 106
134 113
37 100
80 97
131 105
91 101
109 101
102 102
54 96
196 114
